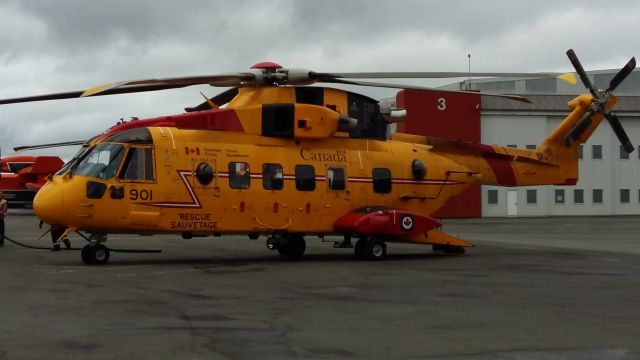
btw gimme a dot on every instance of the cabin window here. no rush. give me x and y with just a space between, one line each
418 169
239 175
204 174
559 196
305 178
381 180
272 176
532 196
138 164
336 179
101 162
578 196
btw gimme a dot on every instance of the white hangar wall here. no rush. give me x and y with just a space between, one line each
608 184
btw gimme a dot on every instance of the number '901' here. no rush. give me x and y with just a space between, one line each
140 194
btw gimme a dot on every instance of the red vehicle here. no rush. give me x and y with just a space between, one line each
23 175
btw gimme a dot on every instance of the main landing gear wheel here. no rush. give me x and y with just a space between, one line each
448 249
95 254
292 246
370 249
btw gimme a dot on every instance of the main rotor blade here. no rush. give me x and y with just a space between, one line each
578 129
422 88
46 146
580 70
622 74
77 94
620 133
219 100
424 75
54 96
161 84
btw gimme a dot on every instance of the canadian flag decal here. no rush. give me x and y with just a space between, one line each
192 150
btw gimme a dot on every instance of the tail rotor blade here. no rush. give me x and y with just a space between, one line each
622 74
620 133
580 70
577 130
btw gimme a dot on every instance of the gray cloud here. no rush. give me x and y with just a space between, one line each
51 46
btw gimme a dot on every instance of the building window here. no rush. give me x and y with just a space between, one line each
559 196
596 151
624 196
532 196
239 175
624 155
272 176
305 178
580 151
597 196
335 178
492 196
530 147
381 180
578 196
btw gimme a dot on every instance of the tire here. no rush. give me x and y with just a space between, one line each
359 250
376 249
85 255
371 249
294 246
95 254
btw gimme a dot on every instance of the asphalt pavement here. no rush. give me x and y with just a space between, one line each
532 288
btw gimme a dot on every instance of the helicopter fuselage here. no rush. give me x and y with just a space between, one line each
203 182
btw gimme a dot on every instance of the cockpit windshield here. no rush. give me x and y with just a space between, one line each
101 162
83 150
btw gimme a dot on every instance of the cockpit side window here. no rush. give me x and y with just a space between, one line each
138 165
101 162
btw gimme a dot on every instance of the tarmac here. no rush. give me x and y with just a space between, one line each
532 288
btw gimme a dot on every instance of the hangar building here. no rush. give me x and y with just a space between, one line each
609 182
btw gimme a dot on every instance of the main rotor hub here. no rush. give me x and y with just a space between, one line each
267 65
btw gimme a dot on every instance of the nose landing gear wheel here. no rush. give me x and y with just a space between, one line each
95 254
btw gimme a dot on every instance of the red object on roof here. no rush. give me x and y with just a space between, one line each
385 222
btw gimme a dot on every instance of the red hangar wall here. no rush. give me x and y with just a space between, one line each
445 115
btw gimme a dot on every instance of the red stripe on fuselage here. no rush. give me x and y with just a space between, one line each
500 164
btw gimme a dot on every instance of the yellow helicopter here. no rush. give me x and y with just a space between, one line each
273 156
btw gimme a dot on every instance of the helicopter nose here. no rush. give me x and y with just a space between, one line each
48 204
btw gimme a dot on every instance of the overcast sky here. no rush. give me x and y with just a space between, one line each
63 45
